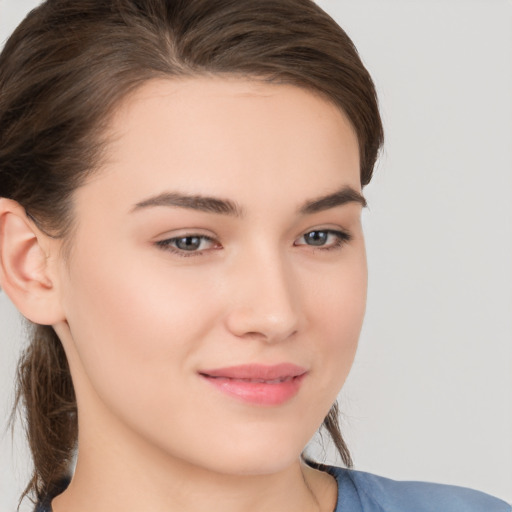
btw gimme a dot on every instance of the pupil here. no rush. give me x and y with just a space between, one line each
188 243
316 238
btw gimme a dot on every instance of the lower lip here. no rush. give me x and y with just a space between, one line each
262 393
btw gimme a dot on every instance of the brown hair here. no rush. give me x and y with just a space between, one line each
62 73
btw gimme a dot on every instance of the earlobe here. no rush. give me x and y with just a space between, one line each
24 270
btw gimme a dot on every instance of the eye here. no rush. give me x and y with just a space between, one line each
188 245
324 238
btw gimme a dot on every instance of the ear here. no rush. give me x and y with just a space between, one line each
25 270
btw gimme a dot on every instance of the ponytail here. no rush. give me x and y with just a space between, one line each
332 425
45 390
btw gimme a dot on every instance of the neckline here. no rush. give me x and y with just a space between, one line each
335 472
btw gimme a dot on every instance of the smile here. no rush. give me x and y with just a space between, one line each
258 384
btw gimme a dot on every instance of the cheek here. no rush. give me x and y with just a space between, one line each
135 327
337 306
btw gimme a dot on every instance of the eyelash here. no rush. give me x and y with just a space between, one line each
342 237
166 245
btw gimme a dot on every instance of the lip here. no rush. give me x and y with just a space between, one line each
258 384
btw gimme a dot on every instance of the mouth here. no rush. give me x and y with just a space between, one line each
258 384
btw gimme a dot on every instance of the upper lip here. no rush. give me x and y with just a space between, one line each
257 371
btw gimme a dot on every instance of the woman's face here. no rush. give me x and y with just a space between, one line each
216 286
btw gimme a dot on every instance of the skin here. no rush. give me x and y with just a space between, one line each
139 321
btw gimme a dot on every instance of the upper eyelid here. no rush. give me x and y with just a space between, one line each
336 231
184 233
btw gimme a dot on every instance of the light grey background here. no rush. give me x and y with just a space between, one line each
430 394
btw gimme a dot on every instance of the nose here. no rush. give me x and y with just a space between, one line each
264 300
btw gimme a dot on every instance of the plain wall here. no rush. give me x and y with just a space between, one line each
430 394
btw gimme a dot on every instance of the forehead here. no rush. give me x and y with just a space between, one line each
228 136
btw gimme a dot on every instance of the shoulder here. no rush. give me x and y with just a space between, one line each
360 491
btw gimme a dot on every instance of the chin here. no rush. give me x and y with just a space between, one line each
254 464
262 455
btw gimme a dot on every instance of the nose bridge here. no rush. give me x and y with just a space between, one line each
264 300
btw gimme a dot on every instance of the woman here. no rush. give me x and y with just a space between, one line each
181 190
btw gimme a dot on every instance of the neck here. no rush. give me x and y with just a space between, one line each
183 488
121 472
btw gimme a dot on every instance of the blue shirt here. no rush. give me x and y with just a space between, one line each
364 492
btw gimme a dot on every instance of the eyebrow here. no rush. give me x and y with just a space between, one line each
227 207
343 196
193 202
